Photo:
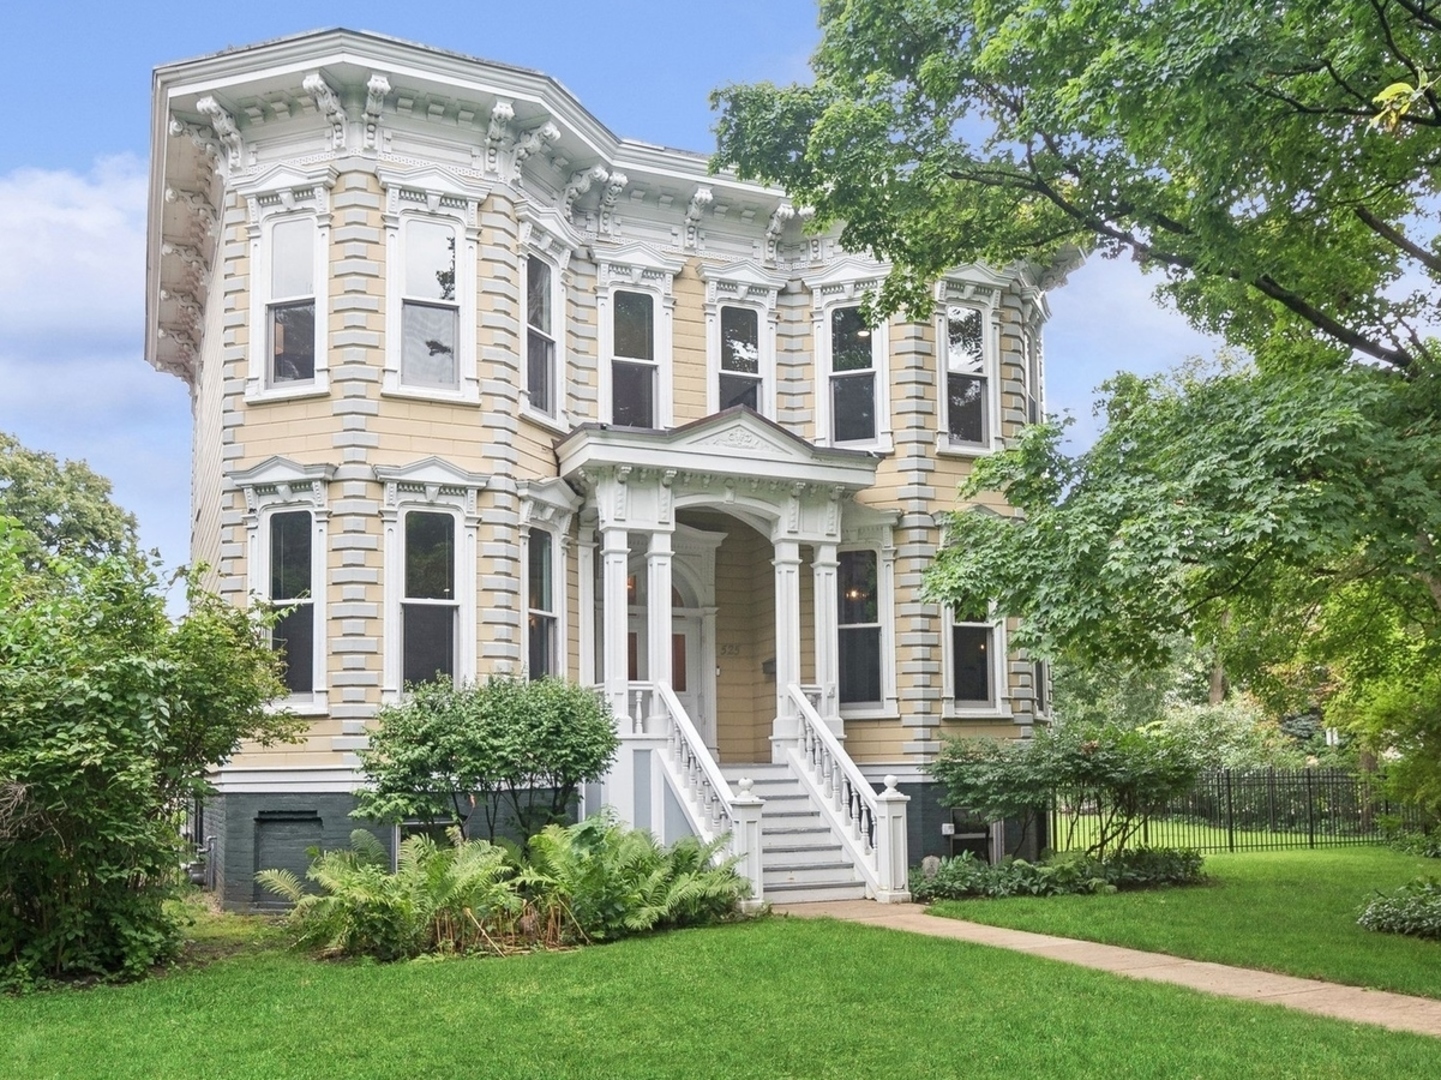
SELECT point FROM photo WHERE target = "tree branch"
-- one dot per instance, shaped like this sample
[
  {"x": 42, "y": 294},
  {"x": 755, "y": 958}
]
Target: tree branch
[
  {"x": 1268, "y": 286},
  {"x": 1397, "y": 237}
]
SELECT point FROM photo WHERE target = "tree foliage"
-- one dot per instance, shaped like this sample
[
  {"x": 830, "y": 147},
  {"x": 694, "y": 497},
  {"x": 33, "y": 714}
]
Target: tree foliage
[
  {"x": 110, "y": 715},
  {"x": 1229, "y": 146},
  {"x": 60, "y": 505},
  {"x": 446, "y": 750},
  {"x": 1118, "y": 776}
]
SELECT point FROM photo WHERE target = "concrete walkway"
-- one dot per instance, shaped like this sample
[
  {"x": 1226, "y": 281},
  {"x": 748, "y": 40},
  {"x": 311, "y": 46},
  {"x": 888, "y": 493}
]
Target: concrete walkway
[{"x": 1399, "y": 1012}]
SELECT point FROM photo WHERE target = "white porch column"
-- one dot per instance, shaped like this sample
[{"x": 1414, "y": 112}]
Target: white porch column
[
  {"x": 614, "y": 553},
  {"x": 585, "y": 576},
  {"x": 827, "y": 615},
  {"x": 658, "y": 615},
  {"x": 787, "y": 562}
]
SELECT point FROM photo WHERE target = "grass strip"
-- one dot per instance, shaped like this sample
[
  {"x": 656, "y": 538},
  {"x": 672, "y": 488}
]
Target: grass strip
[
  {"x": 1292, "y": 912},
  {"x": 776, "y": 998}
]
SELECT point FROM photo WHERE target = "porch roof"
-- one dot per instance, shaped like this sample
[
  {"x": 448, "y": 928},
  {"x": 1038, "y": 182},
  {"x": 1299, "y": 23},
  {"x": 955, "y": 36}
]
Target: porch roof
[{"x": 736, "y": 442}]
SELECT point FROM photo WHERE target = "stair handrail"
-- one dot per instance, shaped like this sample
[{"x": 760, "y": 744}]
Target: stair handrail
[
  {"x": 698, "y": 771},
  {"x": 872, "y": 826}
]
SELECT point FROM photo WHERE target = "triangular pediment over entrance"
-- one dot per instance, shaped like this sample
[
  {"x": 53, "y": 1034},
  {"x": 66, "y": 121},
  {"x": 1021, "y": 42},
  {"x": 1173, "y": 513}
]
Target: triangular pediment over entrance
[{"x": 735, "y": 443}]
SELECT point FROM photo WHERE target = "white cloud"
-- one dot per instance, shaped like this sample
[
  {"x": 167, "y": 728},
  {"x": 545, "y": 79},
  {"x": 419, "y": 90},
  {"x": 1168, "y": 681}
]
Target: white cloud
[
  {"x": 73, "y": 380},
  {"x": 73, "y": 274}
]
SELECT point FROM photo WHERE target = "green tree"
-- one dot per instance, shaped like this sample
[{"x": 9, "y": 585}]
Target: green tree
[
  {"x": 110, "y": 715},
  {"x": 1230, "y": 146},
  {"x": 60, "y": 504},
  {"x": 445, "y": 751}
]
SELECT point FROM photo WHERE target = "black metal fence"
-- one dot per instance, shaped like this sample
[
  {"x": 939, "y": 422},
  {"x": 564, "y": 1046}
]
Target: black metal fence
[{"x": 1257, "y": 810}]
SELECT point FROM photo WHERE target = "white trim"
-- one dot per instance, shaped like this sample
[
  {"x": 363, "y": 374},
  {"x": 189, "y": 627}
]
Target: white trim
[
  {"x": 287, "y": 194},
  {"x": 636, "y": 268},
  {"x": 1000, "y": 707},
  {"x": 280, "y": 779},
  {"x": 435, "y": 486},
  {"x": 983, "y": 298},
  {"x": 825, "y": 305},
  {"x": 278, "y": 485},
  {"x": 742, "y": 285},
  {"x": 558, "y": 419},
  {"x": 557, "y": 599},
  {"x": 437, "y": 195},
  {"x": 888, "y": 707}
]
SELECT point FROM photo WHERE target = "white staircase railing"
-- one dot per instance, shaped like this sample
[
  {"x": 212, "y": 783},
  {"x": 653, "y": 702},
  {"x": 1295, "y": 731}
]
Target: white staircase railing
[
  {"x": 711, "y": 807},
  {"x": 871, "y": 826}
]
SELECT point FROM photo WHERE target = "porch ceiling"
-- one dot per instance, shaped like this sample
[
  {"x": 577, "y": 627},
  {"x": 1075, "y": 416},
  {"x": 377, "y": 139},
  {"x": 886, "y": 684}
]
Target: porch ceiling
[{"x": 736, "y": 443}]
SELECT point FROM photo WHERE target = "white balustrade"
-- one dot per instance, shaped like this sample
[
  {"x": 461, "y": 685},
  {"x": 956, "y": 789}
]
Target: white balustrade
[{"x": 872, "y": 826}]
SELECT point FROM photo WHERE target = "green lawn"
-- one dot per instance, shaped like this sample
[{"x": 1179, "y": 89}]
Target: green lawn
[
  {"x": 1287, "y": 911},
  {"x": 774, "y": 998}
]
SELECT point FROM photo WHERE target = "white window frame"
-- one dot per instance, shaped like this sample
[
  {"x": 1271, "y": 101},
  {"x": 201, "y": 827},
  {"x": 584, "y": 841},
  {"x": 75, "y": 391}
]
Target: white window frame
[
  {"x": 439, "y": 196},
  {"x": 977, "y": 297},
  {"x": 742, "y": 286},
  {"x": 1000, "y": 707},
  {"x": 549, "y": 505},
  {"x": 275, "y": 486},
  {"x": 546, "y": 237},
  {"x": 636, "y": 268},
  {"x": 280, "y": 195},
  {"x": 875, "y": 539},
  {"x": 557, "y": 598},
  {"x": 432, "y": 486},
  {"x": 555, "y": 416},
  {"x": 881, "y": 374}
]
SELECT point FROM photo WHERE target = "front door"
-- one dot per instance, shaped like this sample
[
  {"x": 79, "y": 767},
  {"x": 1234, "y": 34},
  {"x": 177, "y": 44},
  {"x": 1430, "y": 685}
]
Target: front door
[{"x": 685, "y": 678}]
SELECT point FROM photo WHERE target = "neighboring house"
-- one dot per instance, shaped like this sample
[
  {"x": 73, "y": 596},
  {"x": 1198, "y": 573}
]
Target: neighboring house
[{"x": 480, "y": 388}]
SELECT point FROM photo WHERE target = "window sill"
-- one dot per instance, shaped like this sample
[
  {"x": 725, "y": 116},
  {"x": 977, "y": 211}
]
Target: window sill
[
  {"x": 558, "y": 425},
  {"x": 256, "y": 395},
  {"x": 876, "y": 712},
  {"x": 435, "y": 394},
  {"x": 316, "y": 704},
  {"x": 883, "y": 445},
  {"x": 947, "y": 445},
  {"x": 951, "y": 711}
]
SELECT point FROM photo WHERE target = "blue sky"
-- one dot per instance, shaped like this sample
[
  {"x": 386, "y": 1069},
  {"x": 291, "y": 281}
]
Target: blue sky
[{"x": 73, "y": 379}]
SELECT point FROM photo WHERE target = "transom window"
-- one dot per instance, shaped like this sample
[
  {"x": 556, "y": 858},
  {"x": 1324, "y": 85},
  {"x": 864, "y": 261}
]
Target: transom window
[
  {"x": 290, "y": 314},
  {"x": 966, "y": 381},
  {"x": 542, "y": 620},
  {"x": 429, "y": 608},
  {"x": 859, "y": 628},
  {"x": 540, "y": 380},
  {"x": 853, "y": 377},
  {"x": 430, "y": 312},
  {"x": 633, "y": 368},
  {"x": 740, "y": 374},
  {"x": 292, "y": 591}
]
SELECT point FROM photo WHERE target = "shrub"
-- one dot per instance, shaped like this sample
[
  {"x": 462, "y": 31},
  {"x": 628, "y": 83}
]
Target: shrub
[
  {"x": 525, "y": 744},
  {"x": 1424, "y": 842},
  {"x": 593, "y": 881},
  {"x": 1121, "y": 775},
  {"x": 1413, "y": 909},
  {"x": 597, "y": 879},
  {"x": 454, "y": 898},
  {"x": 1140, "y": 868},
  {"x": 109, "y": 715}
]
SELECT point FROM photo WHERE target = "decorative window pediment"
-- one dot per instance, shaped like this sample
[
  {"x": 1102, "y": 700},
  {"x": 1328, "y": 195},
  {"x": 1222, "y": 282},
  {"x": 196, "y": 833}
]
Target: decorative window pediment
[
  {"x": 280, "y": 481},
  {"x": 431, "y": 480}
]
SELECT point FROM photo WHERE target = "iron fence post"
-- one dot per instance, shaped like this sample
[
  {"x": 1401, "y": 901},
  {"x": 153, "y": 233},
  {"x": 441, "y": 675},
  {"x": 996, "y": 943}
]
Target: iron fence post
[
  {"x": 1230, "y": 813},
  {"x": 1310, "y": 809}
]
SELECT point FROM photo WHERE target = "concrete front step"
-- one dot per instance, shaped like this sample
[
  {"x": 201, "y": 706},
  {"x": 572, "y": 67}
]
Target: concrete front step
[
  {"x": 796, "y": 855},
  {"x": 805, "y": 894},
  {"x": 830, "y": 873}
]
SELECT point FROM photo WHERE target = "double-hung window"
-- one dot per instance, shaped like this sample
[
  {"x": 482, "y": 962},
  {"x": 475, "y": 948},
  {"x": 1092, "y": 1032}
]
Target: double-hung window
[
  {"x": 429, "y": 308},
  {"x": 740, "y": 358},
  {"x": 967, "y": 384},
  {"x": 975, "y": 672},
  {"x": 853, "y": 389},
  {"x": 859, "y": 628},
  {"x": 290, "y": 312},
  {"x": 541, "y": 624},
  {"x": 292, "y": 593},
  {"x": 540, "y": 371},
  {"x": 429, "y": 608},
  {"x": 634, "y": 370}
]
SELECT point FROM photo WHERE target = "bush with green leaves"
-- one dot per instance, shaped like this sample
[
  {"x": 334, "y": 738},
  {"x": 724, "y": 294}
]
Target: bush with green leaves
[
  {"x": 597, "y": 880},
  {"x": 592, "y": 881},
  {"x": 1120, "y": 775},
  {"x": 504, "y": 745},
  {"x": 442, "y": 898},
  {"x": 1413, "y": 909},
  {"x": 110, "y": 714},
  {"x": 1139, "y": 868}
]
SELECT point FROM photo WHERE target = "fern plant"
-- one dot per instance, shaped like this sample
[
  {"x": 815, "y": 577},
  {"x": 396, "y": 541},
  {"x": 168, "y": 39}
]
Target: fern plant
[{"x": 451, "y": 898}]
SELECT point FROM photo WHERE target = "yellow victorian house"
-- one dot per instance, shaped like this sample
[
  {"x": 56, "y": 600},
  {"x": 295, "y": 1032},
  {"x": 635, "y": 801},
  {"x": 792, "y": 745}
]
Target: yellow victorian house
[{"x": 481, "y": 388}]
